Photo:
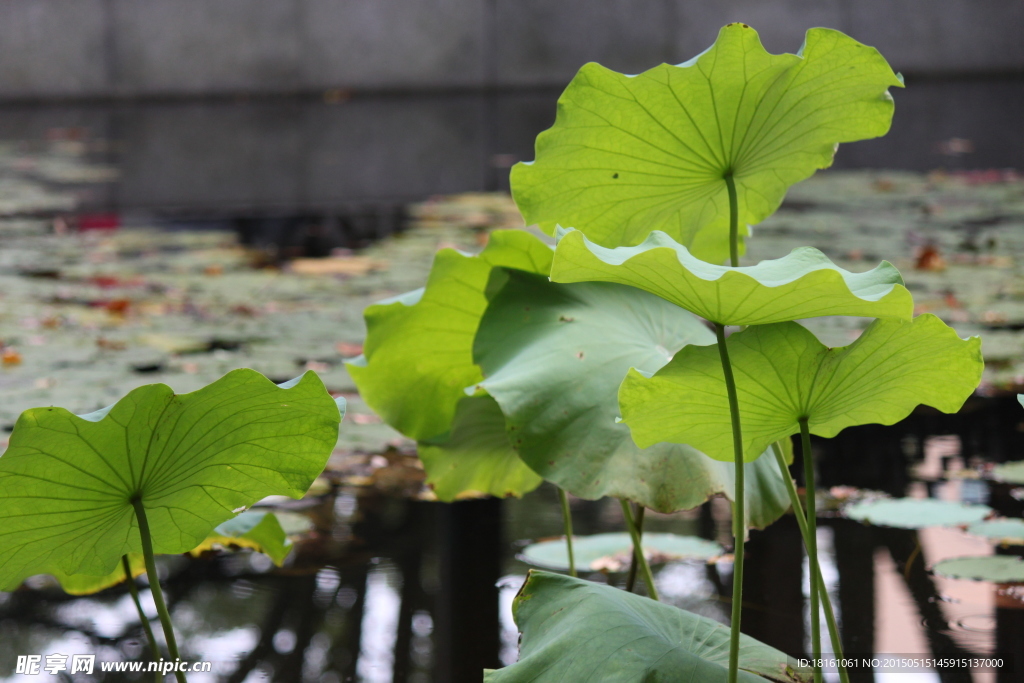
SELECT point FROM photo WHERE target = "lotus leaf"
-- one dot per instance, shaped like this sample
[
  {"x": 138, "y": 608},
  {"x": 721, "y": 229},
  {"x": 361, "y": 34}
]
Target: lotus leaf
[
  {"x": 1009, "y": 472},
  {"x": 783, "y": 373},
  {"x": 260, "y": 531},
  {"x": 598, "y": 551},
  {"x": 916, "y": 513},
  {"x": 418, "y": 354},
  {"x": 803, "y": 284},
  {"x": 476, "y": 457},
  {"x": 1005, "y": 531},
  {"x": 575, "y": 630},
  {"x": 632, "y": 154},
  {"x": 995, "y": 568},
  {"x": 67, "y": 483},
  {"x": 554, "y": 356}
]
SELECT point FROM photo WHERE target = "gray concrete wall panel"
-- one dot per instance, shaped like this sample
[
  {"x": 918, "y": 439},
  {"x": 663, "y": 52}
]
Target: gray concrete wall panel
[
  {"x": 53, "y": 48},
  {"x": 139, "y": 48},
  {"x": 543, "y": 42},
  {"x": 393, "y": 43},
  {"x": 197, "y": 46}
]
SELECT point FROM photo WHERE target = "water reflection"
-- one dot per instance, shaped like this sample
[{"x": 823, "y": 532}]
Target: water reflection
[{"x": 396, "y": 590}]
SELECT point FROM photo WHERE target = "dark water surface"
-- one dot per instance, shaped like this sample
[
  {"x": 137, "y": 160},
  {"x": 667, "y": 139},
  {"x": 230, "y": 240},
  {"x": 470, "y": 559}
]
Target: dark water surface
[{"x": 408, "y": 591}]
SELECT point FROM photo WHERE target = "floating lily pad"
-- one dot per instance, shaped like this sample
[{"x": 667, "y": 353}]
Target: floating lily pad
[
  {"x": 917, "y": 513},
  {"x": 1010, "y": 472},
  {"x": 1005, "y": 531},
  {"x": 576, "y": 630},
  {"x": 260, "y": 531},
  {"x": 612, "y": 551},
  {"x": 995, "y": 568}
]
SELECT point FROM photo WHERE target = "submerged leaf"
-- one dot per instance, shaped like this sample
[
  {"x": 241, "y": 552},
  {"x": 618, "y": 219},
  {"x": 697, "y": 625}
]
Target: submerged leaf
[
  {"x": 1004, "y": 531},
  {"x": 916, "y": 513},
  {"x": 599, "y": 551},
  {"x": 476, "y": 457},
  {"x": 575, "y": 630},
  {"x": 554, "y": 356},
  {"x": 803, "y": 284},
  {"x": 784, "y": 373},
  {"x": 67, "y": 482},
  {"x": 995, "y": 568},
  {"x": 632, "y": 154},
  {"x": 418, "y": 354}
]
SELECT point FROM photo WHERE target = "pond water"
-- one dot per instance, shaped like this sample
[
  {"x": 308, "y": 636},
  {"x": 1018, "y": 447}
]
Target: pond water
[{"x": 393, "y": 586}]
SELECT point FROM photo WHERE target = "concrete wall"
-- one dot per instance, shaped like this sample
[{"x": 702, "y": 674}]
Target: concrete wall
[{"x": 144, "y": 48}]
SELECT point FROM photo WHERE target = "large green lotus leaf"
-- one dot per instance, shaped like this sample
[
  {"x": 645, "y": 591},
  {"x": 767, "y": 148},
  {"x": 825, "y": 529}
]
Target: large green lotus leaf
[
  {"x": 803, "y": 284},
  {"x": 260, "y": 531},
  {"x": 1009, "y": 472},
  {"x": 602, "y": 552},
  {"x": 418, "y": 354},
  {"x": 1004, "y": 531},
  {"x": 632, "y": 154},
  {"x": 784, "y": 373},
  {"x": 476, "y": 457},
  {"x": 194, "y": 460},
  {"x": 917, "y": 513},
  {"x": 576, "y": 630},
  {"x": 995, "y": 568},
  {"x": 554, "y": 356}
]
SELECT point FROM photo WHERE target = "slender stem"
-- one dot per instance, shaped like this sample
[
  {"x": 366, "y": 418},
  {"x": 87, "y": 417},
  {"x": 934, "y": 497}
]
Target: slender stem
[
  {"x": 739, "y": 518},
  {"x": 638, "y": 519},
  {"x": 811, "y": 541},
  {"x": 638, "y": 550},
  {"x": 567, "y": 521},
  {"x": 826, "y": 601},
  {"x": 154, "y": 584},
  {"x": 734, "y": 220},
  {"x": 134, "y": 590}
]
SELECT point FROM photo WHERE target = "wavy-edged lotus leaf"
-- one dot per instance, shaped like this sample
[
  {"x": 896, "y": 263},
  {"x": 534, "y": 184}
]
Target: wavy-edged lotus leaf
[
  {"x": 602, "y": 552},
  {"x": 476, "y": 458},
  {"x": 802, "y": 284},
  {"x": 1009, "y": 472},
  {"x": 917, "y": 513},
  {"x": 418, "y": 354},
  {"x": 258, "y": 530},
  {"x": 1004, "y": 531},
  {"x": 67, "y": 482},
  {"x": 994, "y": 568},
  {"x": 632, "y": 154},
  {"x": 784, "y": 373},
  {"x": 554, "y": 356},
  {"x": 576, "y": 630}
]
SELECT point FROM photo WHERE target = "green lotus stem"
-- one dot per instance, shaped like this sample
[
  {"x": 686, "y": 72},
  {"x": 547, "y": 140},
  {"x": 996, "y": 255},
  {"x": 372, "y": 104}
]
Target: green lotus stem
[
  {"x": 638, "y": 519},
  {"x": 134, "y": 590},
  {"x": 734, "y": 228},
  {"x": 811, "y": 541},
  {"x": 567, "y": 521},
  {"x": 154, "y": 583},
  {"x": 801, "y": 521},
  {"x": 739, "y": 520},
  {"x": 638, "y": 551}
]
